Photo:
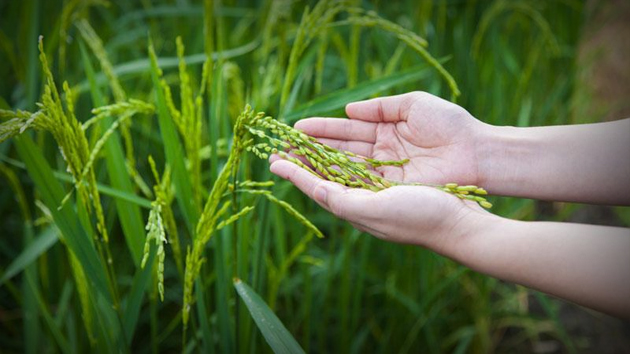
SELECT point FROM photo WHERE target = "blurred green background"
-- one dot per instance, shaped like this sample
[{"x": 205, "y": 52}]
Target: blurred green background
[{"x": 520, "y": 63}]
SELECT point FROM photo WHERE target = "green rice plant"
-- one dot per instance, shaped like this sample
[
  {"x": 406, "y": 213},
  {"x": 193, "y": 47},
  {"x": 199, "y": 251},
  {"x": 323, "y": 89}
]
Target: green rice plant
[
  {"x": 322, "y": 16},
  {"x": 96, "y": 45},
  {"x": 364, "y": 18},
  {"x": 313, "y": 23},
  {"x": 214, "y": 208},
  {"x": 73, "y": 9},
  {"x": 188, "y": 121},
  {"x": 220, "y": 215},
  {"x": 70, "y": 136}
]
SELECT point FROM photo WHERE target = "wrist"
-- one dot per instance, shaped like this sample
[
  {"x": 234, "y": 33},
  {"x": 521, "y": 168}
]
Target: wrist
[
  {"x": 462, "y": 238},
  {"x": 472, "y": 244},
  {"x": 506, "y": 156}
]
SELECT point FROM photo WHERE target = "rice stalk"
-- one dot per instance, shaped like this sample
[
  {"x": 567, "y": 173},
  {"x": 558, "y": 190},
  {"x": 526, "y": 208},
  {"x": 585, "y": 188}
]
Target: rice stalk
[
  {"x": 71, "y": 139},
  {"x": 360, "y": 17},
  {"x": 235, "y": 88},
  {"x": 164, "y": 192},
  {"x": 73, "y": 9},
  {"x": 286, "y": 206},
  {"x": 214, "y": 209},
  {"x": 161, "y": 221},
  {"x": 498, "y": 8},
  {"x": 173, "y": 148},
  {"x": 83, "y": 289},
  {"x": 211, "y": 213},
  {"x": 319, "y": 65},
  {"x": 96, "y": 45},
  {"x": 188, "y": 120},
  {"x": 353, "y": 58},
  {"x": 234, "y": 217},
  {"x": 156, "y": 233},
  {"x": 313, "y": 22}
]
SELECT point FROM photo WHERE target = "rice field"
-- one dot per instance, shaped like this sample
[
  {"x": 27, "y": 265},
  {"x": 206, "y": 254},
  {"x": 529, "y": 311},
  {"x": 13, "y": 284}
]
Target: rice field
[{"x": 138, "y": 213}]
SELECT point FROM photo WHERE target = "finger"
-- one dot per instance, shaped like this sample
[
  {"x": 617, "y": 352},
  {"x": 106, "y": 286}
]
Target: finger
[
  {"x": 346, "y": 203},
  {"x": 356, "y": 147},
  {"x": 338, "y": 128},
  {"x": 389, "y": 109},
  {"x": 273, "y": 158},
  {"x": 301, "y": 178}
]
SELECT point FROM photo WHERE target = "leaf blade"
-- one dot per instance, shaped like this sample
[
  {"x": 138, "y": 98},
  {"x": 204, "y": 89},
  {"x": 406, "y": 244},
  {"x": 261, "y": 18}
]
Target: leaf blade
[
  {"x": 277, "y": 336},
  {"x": 35, "y": 249}
]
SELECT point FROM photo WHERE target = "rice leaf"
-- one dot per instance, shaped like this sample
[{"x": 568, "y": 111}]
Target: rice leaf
[
  {"x": 131, "y": 310},
  {"x": 105, "y": 189},
  {"x": 204, "y": 322},
  {"x": 57, "y": 335},
  {"x": 276, "y": 335},
  {"x": 35, "y": 249}
]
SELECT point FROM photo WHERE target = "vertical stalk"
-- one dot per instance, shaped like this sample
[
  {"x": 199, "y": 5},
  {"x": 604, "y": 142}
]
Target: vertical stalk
[
  {"x": 353, "y": 58},
  {"x": 344, "y": 296},
  {"x": 32, "y": 74}
]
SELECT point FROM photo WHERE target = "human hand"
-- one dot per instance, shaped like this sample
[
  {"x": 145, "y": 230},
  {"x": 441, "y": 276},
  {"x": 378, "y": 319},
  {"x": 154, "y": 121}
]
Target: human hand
[
  {"x": 417, "y": 215},
  {"x": 439, "y": 138}
]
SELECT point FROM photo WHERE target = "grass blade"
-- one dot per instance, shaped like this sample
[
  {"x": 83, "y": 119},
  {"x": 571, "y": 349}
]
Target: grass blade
[
  {"x": 33, "y": 72},
  {"x": 36, "y": 248},
  {"x": 57, "y": 335},
  {"x": 105, "y": 189},
  {"x": 278, "y": 337},
  {"x": 136, "y": 294},
  {"x": 30, "y": 287}
]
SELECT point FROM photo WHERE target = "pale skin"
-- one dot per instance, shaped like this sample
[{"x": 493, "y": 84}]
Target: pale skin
[{"x": 585, "y": 264}]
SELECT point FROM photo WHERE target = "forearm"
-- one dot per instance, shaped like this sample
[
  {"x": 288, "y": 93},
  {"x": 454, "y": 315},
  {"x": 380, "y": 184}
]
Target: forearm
[
  {"x": 585, "y": 264},
  {"x": 581, "y": 163}
]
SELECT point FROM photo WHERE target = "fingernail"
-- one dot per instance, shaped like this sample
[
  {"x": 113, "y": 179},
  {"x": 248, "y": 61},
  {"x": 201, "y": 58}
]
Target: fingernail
[{"x": 321, "y": 194}]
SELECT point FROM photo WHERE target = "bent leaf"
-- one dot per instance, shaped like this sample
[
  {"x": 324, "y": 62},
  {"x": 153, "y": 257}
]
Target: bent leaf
[{"x": 278, "y": 337}]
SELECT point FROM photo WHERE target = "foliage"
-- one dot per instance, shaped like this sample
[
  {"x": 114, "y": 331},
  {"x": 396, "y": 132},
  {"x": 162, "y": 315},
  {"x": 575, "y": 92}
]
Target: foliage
[{"x": 77, "y": 263}]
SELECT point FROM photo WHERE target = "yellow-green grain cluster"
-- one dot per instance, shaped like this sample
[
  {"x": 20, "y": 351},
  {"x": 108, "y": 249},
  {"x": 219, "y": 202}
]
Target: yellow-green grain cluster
[
  {"x": 157, "y": 225},
  {"x": 188, "y": 120}
]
